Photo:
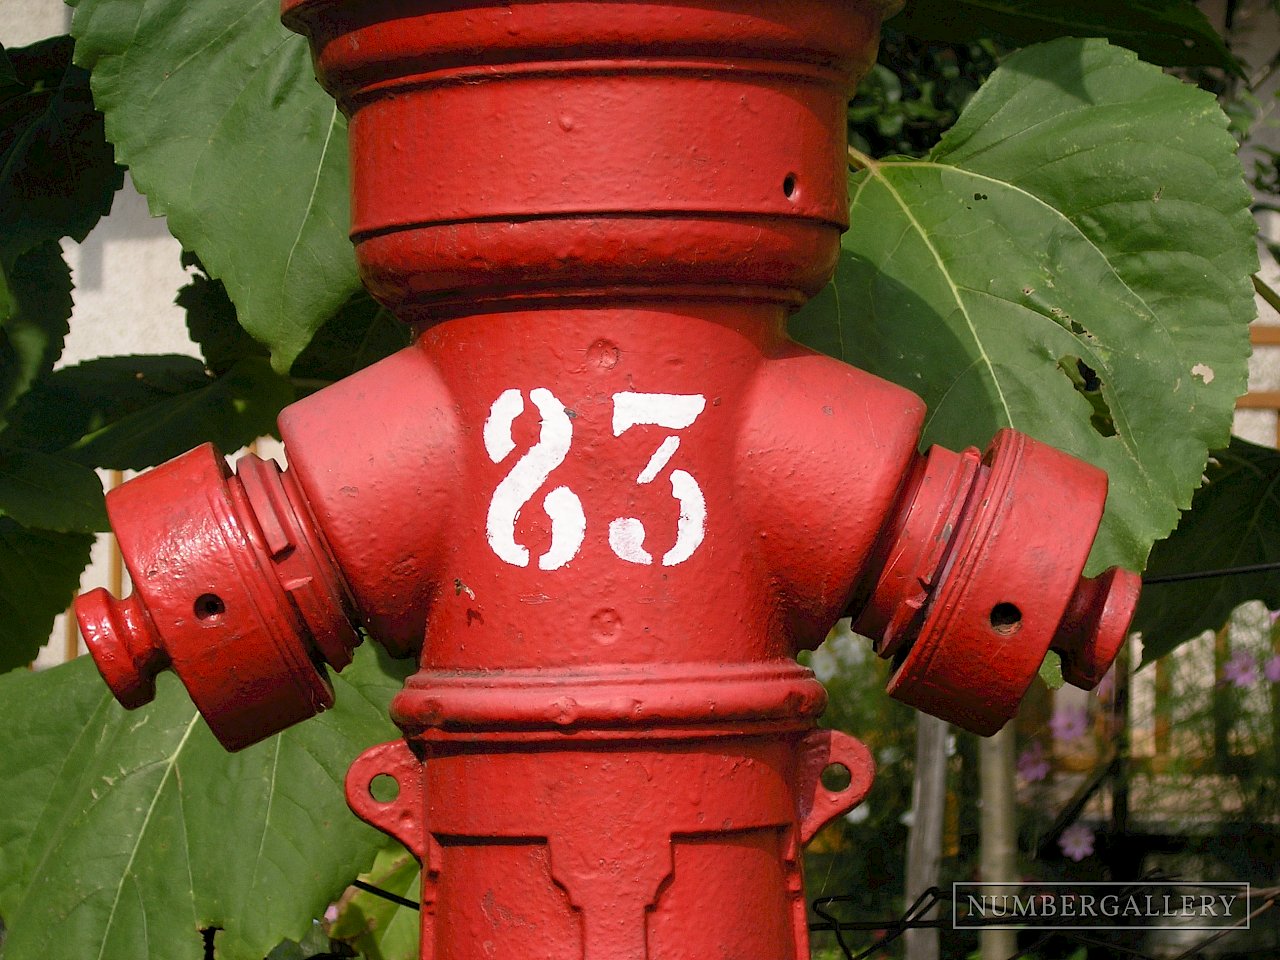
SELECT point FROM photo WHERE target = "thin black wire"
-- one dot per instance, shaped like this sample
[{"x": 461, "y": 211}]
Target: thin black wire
[
  {"x": 385, "y": 894},
  {"x": 913, "y": 918},
  {"x": 1210, "y": 574}
]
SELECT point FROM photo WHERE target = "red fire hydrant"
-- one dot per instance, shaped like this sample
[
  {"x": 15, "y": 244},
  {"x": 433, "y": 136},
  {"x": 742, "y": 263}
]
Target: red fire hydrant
[{"x": 603, "y": 497}]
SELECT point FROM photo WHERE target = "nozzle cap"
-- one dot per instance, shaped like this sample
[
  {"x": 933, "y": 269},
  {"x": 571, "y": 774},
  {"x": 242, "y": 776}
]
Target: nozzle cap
[
  {"x": 124, "y": 644},
  {"x": 1095, "y": 625}
]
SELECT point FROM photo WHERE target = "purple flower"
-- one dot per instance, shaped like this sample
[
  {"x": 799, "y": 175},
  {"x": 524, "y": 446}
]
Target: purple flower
[
  {"x": 1069, "y": 723},
  {"x": 1032, "y": 765},
  {"x": 1271, "y": 669},
  {"x": 1241, "y": 669},
  {"x": 1076, "y": 842}
]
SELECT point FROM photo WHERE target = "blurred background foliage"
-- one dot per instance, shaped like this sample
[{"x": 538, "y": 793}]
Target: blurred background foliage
[{"x": 1215, "y": 719}]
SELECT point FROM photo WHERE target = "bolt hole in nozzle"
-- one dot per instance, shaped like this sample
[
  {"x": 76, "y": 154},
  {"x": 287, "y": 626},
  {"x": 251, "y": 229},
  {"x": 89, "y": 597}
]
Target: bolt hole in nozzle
[
  {"x": 789, "y": 186},
  {"x": 836, "y": 778},
  {"x": 1006, "y": 619},
  {"x": 208, "y": 606},
  {"x": 384, "y": 788}
]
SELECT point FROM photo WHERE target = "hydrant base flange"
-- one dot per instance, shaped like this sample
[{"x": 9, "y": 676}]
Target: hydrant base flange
[{"x": 619, "y": 842}]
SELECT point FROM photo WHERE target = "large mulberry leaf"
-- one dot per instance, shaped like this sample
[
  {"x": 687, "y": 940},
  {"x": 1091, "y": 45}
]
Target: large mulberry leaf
[{"x": 1072, "y": 260}]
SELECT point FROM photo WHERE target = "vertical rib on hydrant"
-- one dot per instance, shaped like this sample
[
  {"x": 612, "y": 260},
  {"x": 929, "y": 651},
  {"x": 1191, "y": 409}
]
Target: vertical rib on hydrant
[{"x": 603, "y": 497}]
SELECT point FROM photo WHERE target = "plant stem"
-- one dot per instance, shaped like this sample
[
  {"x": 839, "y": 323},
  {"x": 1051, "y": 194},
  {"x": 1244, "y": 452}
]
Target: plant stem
[
  {"x": 860, "y": 161},
  {"x": 1267, "y": 292}
]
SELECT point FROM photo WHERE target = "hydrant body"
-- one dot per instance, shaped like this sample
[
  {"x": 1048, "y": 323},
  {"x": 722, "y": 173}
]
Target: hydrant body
[
  {"x": 603, "y": 497},
  {"x": 608, "y": 698}
]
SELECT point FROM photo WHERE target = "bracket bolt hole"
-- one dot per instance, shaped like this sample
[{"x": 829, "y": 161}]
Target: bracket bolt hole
[
  {"x": 789, "y": 186},
  {"x": 384, "y": 788},
  {"x": 1006, "y": 619},
  {"x": 208, "y": 606},
  {"x": 836, "y": 778}
]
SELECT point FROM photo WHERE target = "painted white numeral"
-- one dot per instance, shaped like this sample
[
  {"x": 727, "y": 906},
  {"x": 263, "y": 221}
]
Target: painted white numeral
[
  {"x": 675, "y": 412},
  {"x": 568, "y": 522}
]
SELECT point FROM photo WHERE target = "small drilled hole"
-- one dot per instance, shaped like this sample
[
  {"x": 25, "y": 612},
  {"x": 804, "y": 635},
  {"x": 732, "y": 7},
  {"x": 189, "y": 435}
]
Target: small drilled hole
[
  {"x": 836, "y": 778},
  {"x": 384, "y": 788},
  {"x": 789, "y": 185},
  {"x": 209, "y": 605},
  {"x": 1006, "y": 619}
]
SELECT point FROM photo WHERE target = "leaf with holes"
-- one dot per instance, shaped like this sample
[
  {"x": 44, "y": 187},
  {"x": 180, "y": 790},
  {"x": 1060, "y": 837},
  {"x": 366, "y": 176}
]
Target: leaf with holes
[
  {"x": 1172, "y": 33},
  {"x": 1072, "y": 260},
  {"x": 126, "y": 833},
  {"x": 1234, "y": 521},
  {"x": 214, "y": 107}
]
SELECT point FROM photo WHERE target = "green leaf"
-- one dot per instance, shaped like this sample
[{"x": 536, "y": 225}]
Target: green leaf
[
  {"x": 215, "y": 108},
  {"x": 314, "y": 945},
  {"x": 1172, "y": 33},
  {"x": 212, "y": 321},
  {"x": 1051, "y": 671},
  {"x": 39, "y": 574},
  {"x": 81, "y": 400},
  {"x": 125, "y": 834},
  {"x": 35, "y": 304},
  {"x": 376, "y": 927},
  {"x": 1234, "y": 521},
  {"x": 361, "y": 333},
  {"x": 127, "y": 413},
  {"x": 57, "y": 172},
  {"x": 10, "y": 85},
  {"x": 1072, "y": 260},
  {"x": 50, "y": 493}
]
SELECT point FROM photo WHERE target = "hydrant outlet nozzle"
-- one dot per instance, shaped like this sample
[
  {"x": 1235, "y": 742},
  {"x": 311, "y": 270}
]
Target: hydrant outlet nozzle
[
  {"x": 980, "y": 575},
  {"x": 233, "y": 588}
]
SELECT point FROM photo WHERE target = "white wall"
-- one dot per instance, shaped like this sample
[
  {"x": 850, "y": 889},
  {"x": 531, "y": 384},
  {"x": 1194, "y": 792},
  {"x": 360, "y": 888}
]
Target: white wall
[{"x": 26, "y": 21}]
